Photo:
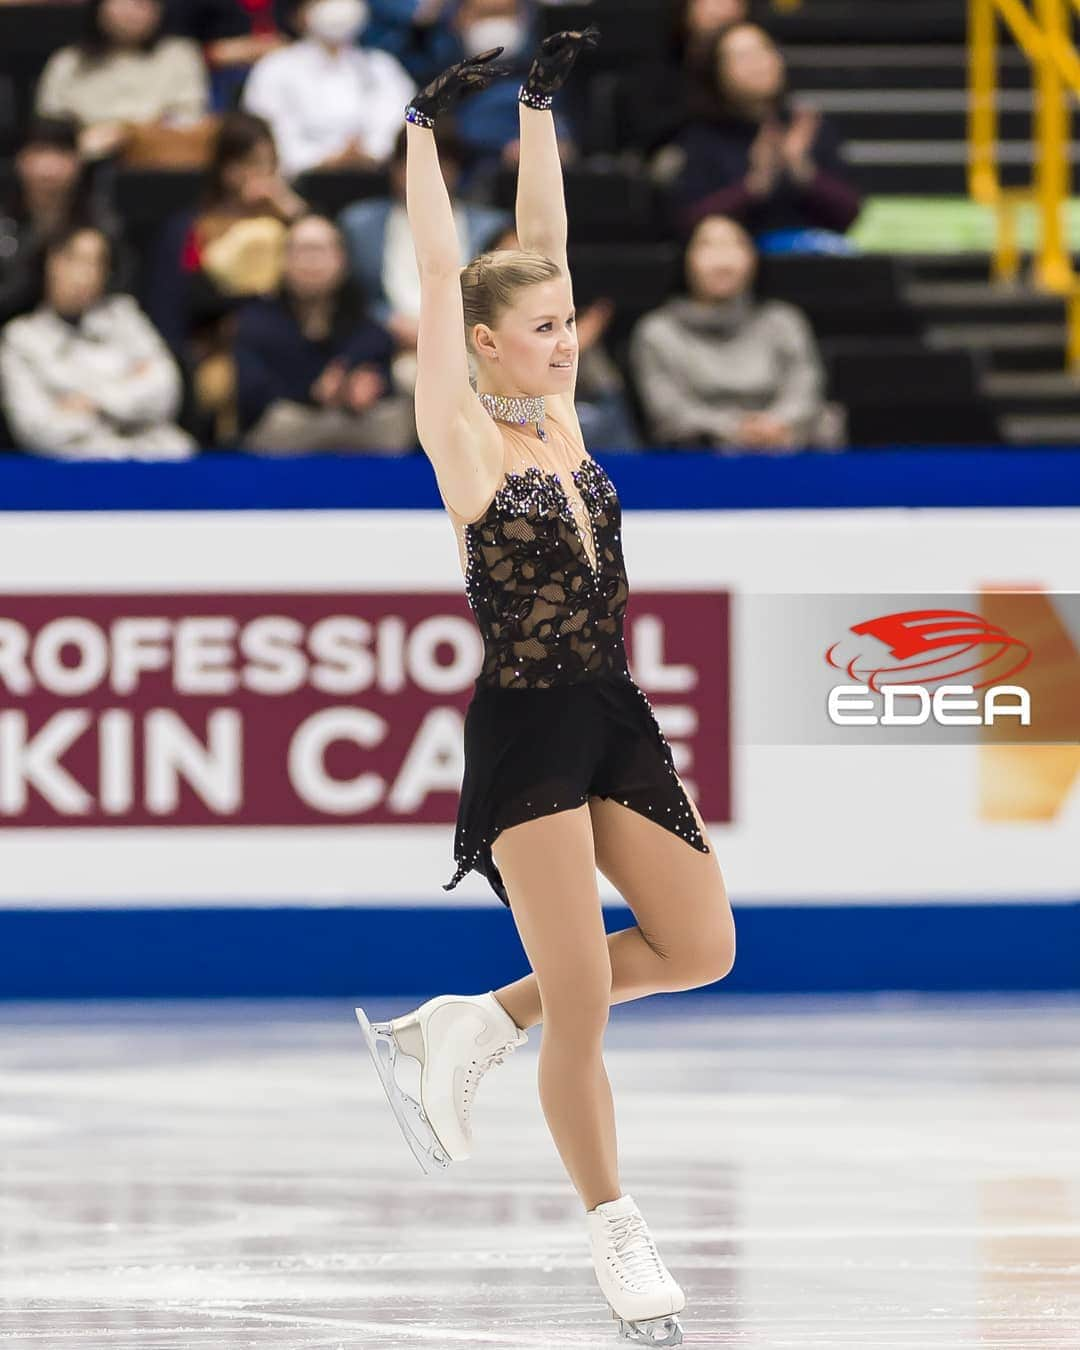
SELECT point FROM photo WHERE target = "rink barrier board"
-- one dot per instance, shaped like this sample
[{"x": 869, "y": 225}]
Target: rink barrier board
[
  {"x": 363, "y": 952},
  {"x": 302, "y": 950},
  {"x": 683, "y": 480}
]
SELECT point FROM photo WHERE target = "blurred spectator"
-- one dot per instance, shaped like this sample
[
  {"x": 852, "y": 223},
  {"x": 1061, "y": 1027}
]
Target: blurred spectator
[
  {"x": 717, "y": 367},
  {"x": 231, "y": 247},
  {"x": 331, "y": 104},
  {"x": 748, "y": 153},
  {"x": 313, "y": 370},
  {"x": 488, "y": 121},
  {"x": 600, "y": 391},
  {"x": 697, "y": 23},
  {"x": 86, "y": 376},
  {"x": 123, "y": 74},
  {"x": 383, "y": 255},
  {"x": 419, "y": 33},
  {"x": 52, "y": 191},
  {"x": 233, "y": 34}
]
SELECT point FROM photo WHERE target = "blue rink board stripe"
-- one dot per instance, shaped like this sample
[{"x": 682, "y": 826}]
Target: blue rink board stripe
[
  {"x": 360, "y": 952},
  {"x": 976, "y": 477}
]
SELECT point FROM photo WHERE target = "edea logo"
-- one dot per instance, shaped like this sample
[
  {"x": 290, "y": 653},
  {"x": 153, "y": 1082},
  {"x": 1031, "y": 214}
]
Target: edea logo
[{"x": 912, "y": 655}]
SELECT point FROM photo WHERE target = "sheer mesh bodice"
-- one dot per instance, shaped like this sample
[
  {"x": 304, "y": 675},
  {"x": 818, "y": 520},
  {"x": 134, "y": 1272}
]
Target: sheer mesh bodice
[{"x": 544, "y": 571}]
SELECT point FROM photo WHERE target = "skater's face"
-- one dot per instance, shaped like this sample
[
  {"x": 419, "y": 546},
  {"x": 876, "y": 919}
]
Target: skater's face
[
  {"x": 720, "y": 259},
  {"x": 533, "y": 348}
]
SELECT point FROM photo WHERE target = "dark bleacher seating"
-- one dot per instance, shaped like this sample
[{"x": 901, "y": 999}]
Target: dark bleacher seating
[
  {"x": 603, "y": 205},
  {"x": 331, "y": 190},
  {"x": 637, "y": 278},
  {"x": 633, "y": 31},
  {"x": 146, "y": 198},
  {"x": 842, "y": 297},
  {"x": 899, "y": 392},
  {"x": 29, "y": 34}
]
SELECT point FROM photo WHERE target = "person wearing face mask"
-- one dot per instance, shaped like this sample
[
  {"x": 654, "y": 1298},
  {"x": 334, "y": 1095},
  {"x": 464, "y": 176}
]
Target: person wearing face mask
[
  {"x": 717, "y": 368},
  {"x": 331, "y": 104},
  {"x": 488, "y": 122}
]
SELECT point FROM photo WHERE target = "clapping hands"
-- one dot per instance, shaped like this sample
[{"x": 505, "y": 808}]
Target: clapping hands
[{"x": 777, "y": 149}]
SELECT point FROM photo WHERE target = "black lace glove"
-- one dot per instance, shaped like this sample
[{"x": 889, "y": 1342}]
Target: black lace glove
[
  {"x": 447, "y": 89},
  {"x": 552, "y": 66}
]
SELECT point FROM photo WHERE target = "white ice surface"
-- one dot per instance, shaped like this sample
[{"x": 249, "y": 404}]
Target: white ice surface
[{"x": 887, "y": 1174}]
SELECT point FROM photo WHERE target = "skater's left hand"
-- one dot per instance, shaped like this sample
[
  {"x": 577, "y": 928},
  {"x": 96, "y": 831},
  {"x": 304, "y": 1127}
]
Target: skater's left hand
[{"x": 552, "y": 66}]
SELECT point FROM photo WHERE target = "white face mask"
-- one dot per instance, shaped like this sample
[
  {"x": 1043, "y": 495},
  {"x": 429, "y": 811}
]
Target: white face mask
[
  {"x": 508, "y": 33},
  {"x": 337, "y": 21}
]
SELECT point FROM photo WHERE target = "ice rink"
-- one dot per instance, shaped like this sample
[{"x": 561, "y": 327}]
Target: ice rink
[{"x": 884, "y": 1173}]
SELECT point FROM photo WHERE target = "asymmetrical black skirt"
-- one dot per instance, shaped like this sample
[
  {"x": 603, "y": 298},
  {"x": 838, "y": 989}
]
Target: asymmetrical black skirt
[{"x": 529, "y": 752}]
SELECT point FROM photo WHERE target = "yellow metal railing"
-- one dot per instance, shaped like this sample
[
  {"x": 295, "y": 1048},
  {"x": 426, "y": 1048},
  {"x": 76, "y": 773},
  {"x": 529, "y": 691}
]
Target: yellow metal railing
[{"x": 1043, "y": 32}]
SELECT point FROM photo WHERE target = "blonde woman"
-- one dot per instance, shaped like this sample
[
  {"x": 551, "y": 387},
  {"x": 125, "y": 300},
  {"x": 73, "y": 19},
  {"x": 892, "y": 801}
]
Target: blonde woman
[{"x": 566, "y": 769}]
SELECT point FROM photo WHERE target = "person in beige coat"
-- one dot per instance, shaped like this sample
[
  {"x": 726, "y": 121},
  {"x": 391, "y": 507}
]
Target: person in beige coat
[
  {"x": 86, "y": 375},
  {"x": 124, "y": 73}
]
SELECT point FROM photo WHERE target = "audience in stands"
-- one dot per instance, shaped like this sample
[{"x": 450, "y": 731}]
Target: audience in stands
[
  {"x": 420, "y": 33},
  {"x": 313, "y": 370},
  {"x": 233, "y": 35},
  {"x": 51, "y": 192},
  {"x": 211, "y": 260},
  {"x": 488, "y": 121},
  {"x": 124, "y": 75},
  {"x": 749, "y": 152},
  {"x": 86, "y": 376},
  {"x": 383, "y": 255},
  {"x": 603, "y": 409},
  {"x": 715, "y": 367},
  {"x": 332, "y": 104},
  {"x": 697, "y": 23}
]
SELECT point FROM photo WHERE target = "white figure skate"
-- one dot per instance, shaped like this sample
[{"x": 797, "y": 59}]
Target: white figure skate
[
  {"x": 456, "y": 1038},
  {"x": 643, "y": 1297}
]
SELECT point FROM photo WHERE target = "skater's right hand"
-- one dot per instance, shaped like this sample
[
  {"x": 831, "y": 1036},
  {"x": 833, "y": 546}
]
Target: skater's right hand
[{"x": 466, "y": 77}]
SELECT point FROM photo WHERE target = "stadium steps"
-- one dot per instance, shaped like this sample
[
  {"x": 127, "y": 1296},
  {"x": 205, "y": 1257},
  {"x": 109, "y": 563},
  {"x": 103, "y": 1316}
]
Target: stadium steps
[
  {"x": 973, "y": 302},
  {"x": 923, "y": 66},
  {"x": 1037, "y": 393},
  {"x": 1041, "y": 430}
]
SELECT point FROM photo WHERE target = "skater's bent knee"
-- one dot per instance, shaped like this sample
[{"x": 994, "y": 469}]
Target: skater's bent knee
[
  {"x": 582, "y": 1013},
  {"x": 710, "y": 959}
]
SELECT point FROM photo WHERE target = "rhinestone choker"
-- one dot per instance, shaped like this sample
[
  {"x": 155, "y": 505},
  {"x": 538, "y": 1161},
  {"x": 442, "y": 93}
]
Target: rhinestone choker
[{"x": 515, "y": 408}]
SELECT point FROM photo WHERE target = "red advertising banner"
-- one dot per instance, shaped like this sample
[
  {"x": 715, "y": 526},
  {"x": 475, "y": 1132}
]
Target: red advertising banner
[{"x": 294, "y": 708}]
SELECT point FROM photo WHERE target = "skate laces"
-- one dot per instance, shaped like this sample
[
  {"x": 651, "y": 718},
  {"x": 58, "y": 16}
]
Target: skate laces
[
  {"x": 477, "y": 1069},
  {"x": 635, "y": 1248}
]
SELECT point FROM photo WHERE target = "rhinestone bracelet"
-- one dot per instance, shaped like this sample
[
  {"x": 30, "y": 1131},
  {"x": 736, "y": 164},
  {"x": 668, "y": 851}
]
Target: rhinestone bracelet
[
  {"x": 418, "y": 118},
  {"x": 541, "y": 102}
]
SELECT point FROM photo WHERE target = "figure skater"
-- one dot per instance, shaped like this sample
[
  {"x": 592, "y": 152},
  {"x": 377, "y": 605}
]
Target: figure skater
[{"x": 566, "y": 768}]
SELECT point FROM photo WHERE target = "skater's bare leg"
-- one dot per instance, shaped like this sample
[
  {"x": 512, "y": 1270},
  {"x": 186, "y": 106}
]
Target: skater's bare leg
[
  {"x": 685, "y": 933},
  {"x": 549, "y": 868}
]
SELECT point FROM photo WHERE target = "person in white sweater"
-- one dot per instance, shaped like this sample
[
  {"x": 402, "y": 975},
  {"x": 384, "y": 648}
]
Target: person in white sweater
[
  {"x": 86, "y": 375},
  {"x": 718, "y": 368}
]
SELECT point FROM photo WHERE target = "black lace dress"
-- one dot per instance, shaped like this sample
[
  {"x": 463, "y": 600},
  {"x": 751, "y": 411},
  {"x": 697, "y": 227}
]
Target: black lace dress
[{"x": 555, "y": 717}]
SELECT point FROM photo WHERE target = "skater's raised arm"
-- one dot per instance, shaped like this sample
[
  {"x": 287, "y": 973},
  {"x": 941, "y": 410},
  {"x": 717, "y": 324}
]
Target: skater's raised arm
[
  {"x": 453, "y": 428},
  {"x": 540, "y": 207}
]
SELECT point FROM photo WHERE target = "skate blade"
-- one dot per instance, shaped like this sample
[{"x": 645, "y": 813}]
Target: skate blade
[
  {"x": 408, "y": 1112},
  {"x": 650, "y": 1331}
]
